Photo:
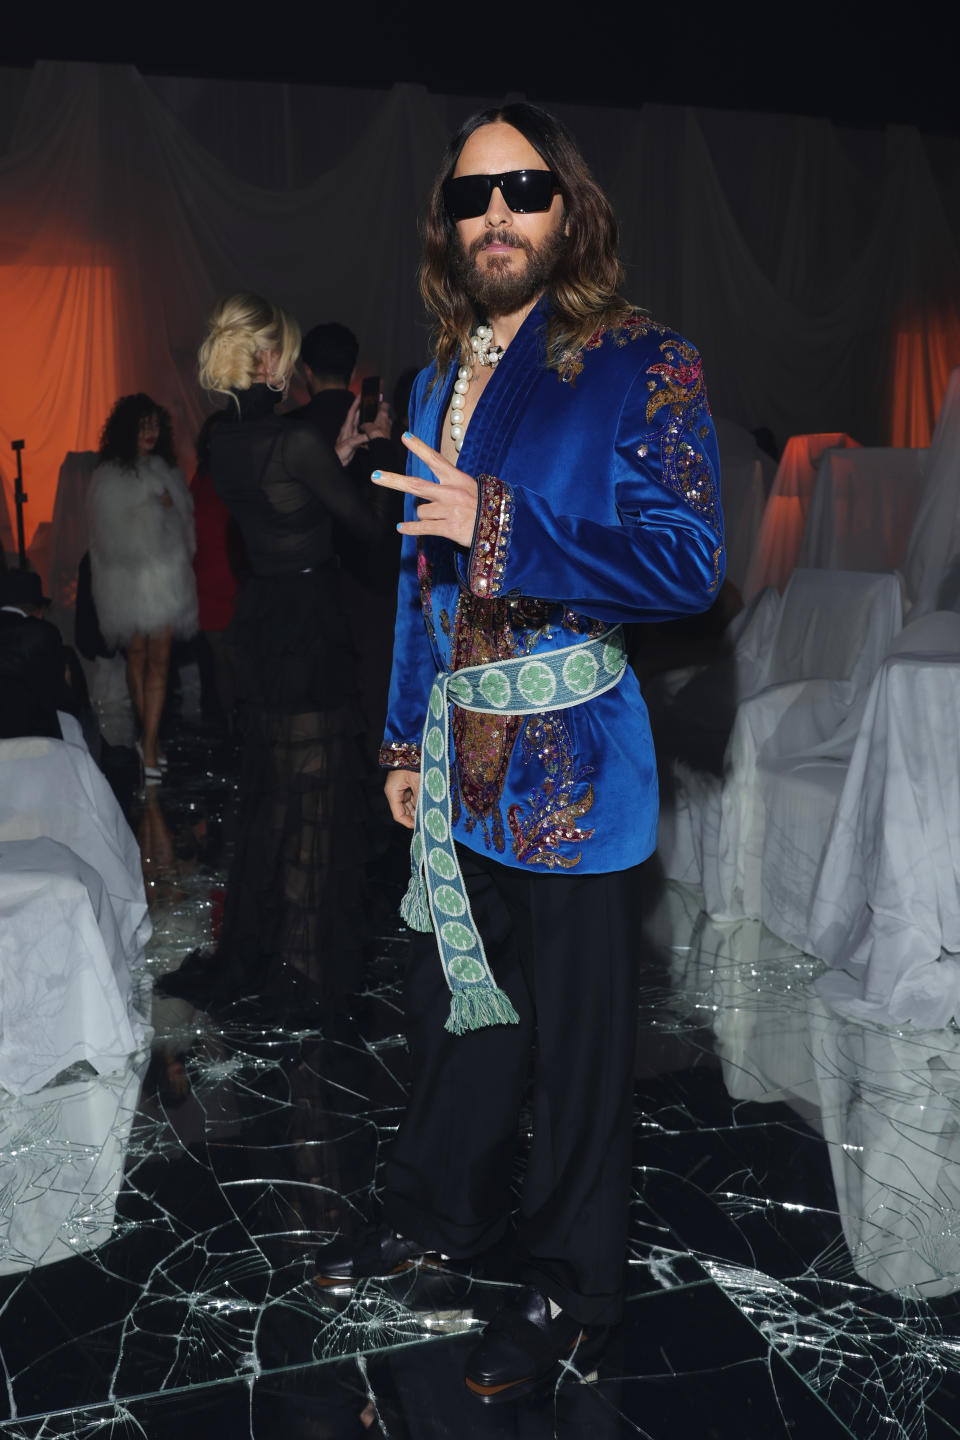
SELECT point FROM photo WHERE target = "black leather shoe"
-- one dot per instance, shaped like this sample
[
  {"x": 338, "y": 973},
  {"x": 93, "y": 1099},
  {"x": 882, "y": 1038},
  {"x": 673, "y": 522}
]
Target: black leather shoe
[
  {"x": 523, "y": 1346},
  {"x": 376, "y": 1252}
]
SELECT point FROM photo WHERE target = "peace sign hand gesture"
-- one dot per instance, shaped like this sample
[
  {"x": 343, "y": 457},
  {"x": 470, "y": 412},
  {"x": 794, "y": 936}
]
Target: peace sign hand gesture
[{"x": 448, "y": 505}]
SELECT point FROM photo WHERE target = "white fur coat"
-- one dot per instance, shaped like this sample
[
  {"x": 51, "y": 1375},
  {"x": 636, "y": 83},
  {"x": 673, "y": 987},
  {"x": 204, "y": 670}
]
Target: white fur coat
[{"x": 141, "y": 550}]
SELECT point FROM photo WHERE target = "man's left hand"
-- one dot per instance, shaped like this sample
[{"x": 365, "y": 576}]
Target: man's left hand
[
  {"x": 381, "y": 427},
  {"x": 351, "y": 438},
  {"x": 447, "y": 507}
]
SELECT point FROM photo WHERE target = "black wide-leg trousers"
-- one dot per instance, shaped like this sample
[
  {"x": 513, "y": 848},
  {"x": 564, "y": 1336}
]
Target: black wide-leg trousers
[{"x": 564, "y": 946}]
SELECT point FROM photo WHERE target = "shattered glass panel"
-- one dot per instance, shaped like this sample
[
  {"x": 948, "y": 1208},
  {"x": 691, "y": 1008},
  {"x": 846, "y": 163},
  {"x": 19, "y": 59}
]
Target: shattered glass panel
[{"x": 795, "y": 1242}]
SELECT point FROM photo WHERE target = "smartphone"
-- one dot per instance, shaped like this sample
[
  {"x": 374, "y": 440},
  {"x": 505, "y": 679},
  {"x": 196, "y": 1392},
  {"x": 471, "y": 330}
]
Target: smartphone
[{"x": 369, "y": 399}]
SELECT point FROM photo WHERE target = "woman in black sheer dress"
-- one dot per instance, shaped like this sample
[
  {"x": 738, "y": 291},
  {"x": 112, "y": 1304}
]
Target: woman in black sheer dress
[{"x": 294, "y": 903}]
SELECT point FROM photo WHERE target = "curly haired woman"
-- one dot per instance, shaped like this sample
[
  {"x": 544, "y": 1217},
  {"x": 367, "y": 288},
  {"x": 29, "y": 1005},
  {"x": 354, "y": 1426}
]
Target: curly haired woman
[{"x": 141, "y": 547}]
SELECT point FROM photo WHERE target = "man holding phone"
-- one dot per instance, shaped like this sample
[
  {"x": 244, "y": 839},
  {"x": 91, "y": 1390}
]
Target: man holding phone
[
  {"x": 328, "y": 354},
  {"x": 563, "y": 480}
]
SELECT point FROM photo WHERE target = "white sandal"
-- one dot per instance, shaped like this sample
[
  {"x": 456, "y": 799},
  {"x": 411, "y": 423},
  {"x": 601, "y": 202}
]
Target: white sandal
[{"x": 152, "y": 774}]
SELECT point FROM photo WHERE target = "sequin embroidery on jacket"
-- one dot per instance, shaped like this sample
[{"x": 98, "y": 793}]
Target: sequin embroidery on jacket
[
  {"x": 552, "y": 811},
  {"x": 678, "y": 397}
]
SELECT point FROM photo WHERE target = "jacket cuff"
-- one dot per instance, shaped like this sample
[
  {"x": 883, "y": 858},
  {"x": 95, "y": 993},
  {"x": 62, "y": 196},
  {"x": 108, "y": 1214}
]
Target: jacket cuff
[
  {"x": 491, "y": 538},
  {"x": 399, "y": 755}
]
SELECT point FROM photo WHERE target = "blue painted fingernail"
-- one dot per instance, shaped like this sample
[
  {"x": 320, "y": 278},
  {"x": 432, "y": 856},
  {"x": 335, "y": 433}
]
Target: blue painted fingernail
[
  {"x": 400, "y": 526},
  {"x": 376, "y": 475},
  {"x": 407, "y": 435}
]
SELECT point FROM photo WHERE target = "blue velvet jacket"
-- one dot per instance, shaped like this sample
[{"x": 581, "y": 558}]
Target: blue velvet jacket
[{"x": 599, "y": 503}]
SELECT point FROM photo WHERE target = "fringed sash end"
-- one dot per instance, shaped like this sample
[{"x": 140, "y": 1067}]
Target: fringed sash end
[
  {"x": 472, "y": 1007},
  {"x": 414, "y": 907}
]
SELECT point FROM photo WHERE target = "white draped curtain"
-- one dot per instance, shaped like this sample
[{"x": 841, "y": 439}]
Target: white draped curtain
[{"x": 817, "y": 268}]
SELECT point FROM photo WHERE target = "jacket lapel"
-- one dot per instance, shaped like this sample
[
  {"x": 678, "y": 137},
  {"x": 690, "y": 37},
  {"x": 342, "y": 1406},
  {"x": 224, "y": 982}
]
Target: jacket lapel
[{"x": 500, "y": 408}]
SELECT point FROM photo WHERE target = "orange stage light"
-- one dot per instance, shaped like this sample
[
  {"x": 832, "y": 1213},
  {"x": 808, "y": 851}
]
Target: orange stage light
[{"x": 58, "y": 372}]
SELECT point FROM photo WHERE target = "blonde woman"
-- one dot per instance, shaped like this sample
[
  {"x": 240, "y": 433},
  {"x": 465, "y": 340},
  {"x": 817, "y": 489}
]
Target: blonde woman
[{"x": 293, "y": 914}]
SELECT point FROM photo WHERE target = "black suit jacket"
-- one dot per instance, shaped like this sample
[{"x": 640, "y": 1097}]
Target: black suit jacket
[{"x": 327, "y": 410}]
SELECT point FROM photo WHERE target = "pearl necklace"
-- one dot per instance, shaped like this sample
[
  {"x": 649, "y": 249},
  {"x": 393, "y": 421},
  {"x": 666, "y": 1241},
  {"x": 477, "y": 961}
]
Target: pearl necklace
[{"x": 484, "y": 353}]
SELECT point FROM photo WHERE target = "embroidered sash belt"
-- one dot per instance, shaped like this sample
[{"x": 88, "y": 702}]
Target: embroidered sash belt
[{"x": 436, "y": 898}]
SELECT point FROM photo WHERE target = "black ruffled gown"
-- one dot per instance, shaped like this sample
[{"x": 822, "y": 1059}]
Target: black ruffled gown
[{"x": 294, "y": 905}]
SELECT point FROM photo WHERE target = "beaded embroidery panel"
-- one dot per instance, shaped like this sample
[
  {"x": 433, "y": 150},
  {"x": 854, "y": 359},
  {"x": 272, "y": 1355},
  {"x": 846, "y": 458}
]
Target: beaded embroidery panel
[
  {"x": 491, "y": 542},
  {"x": 488, "y": 630}
]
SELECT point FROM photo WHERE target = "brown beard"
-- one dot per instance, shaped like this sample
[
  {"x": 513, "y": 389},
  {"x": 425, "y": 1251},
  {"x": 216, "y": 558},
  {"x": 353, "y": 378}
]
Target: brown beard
[{"x": 500, "y": 287}]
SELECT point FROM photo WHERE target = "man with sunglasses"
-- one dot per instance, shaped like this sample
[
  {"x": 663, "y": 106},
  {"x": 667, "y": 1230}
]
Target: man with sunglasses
[{"x": 563, "y": 480}]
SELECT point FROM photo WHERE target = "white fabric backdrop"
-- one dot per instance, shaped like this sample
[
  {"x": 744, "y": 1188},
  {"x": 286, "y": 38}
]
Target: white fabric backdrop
[{"x": 816, "y": 268}]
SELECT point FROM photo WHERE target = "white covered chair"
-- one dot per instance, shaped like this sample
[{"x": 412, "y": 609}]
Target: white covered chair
[
  {"x": 67, "y": 991},
  {"x": 935, "y": 538},
  {"x": 785, "y": 515},
  {"x": 747, "y": 474},
  {"x": 706, "y": 696},
  {"x": 862, "y": 510},
  {"x": 53, "y": 788},
  {"x": 889, "y": 1103},
  {"x": 885, "y": 1102},
  {"x": 801, "y": 797},
  {"x": 62, "y": 1154},
  {"x": 885, "y": 911},
  {"x": 833, "y": 629}
]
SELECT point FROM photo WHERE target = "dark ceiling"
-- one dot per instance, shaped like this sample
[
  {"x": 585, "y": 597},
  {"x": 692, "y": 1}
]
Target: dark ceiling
[{"x": 850, "y": 67}]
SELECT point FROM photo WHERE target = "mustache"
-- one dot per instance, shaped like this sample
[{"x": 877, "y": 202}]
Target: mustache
[{"x": 509, "y": 237}]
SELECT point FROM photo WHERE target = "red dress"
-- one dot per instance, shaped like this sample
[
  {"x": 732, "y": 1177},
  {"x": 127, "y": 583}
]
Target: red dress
[{"x": 212, "y": 564}]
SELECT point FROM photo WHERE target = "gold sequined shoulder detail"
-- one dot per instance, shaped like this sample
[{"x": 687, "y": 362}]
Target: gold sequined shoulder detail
[
  {"x": 677, "y": 379},
  {"x": 634, "y": 327}
]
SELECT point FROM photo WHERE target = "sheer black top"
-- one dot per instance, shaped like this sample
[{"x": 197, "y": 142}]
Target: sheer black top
[{"x": 285, "y": 488}]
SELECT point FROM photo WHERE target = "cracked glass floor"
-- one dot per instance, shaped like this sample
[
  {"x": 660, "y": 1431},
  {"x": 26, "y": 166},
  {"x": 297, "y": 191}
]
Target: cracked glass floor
[{"x": 795, "y": 1239}]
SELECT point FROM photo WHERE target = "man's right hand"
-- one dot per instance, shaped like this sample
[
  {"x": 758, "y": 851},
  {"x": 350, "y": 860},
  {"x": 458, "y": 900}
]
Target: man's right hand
[{"x": 401, "y": 789}]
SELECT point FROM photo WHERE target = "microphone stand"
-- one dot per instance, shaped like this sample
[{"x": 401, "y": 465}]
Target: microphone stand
[{"x": 20, "y": 498}]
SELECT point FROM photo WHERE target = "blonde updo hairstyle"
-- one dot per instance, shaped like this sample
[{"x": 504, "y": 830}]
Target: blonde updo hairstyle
[{"x": 240, "y": 331}]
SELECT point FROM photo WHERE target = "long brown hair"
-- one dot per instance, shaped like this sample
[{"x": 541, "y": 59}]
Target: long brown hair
[{"x": 583, "y": 290}]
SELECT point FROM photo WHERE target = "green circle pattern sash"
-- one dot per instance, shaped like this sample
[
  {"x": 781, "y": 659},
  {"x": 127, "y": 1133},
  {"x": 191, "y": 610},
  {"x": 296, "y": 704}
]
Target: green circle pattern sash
[{"x": 436, "y": 897}]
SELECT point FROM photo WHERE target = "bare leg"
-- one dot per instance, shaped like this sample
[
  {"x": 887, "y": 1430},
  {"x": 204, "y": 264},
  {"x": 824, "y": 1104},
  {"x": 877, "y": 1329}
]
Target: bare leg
[
  {"x": 155, "y": 690},
  {"x": 136, "y": 665}
]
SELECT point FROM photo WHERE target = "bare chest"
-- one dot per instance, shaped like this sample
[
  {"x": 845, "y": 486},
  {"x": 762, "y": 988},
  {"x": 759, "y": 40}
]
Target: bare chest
[{"x": 464, "y": 405}]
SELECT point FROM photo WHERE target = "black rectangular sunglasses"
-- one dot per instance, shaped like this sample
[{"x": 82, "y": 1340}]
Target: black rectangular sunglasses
[{"x": 524, "y": 191}]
